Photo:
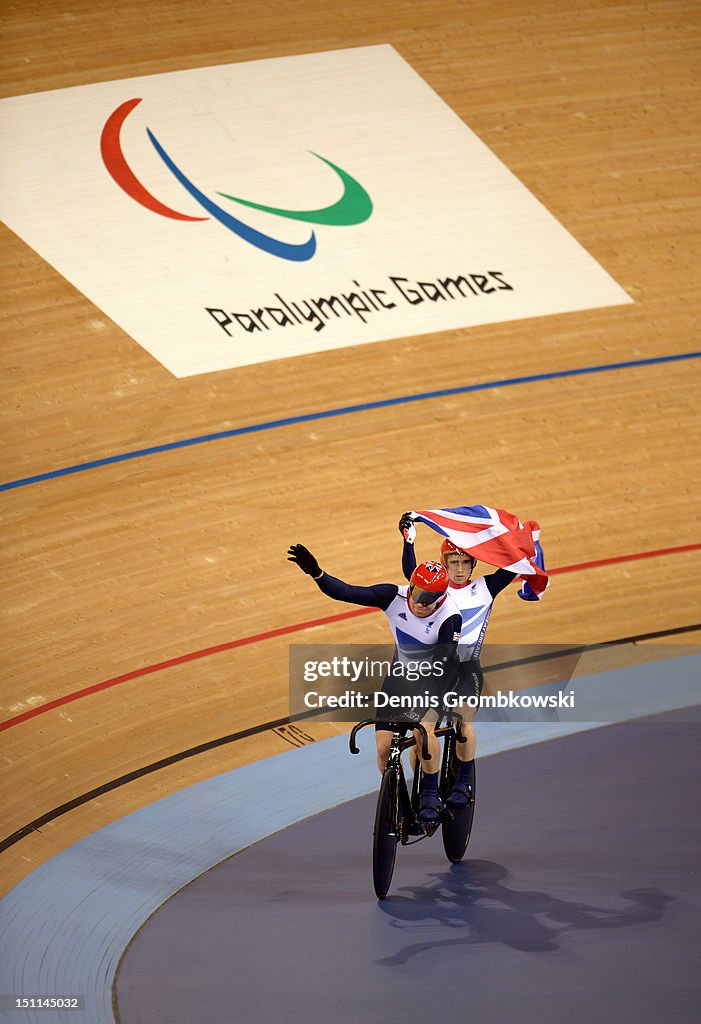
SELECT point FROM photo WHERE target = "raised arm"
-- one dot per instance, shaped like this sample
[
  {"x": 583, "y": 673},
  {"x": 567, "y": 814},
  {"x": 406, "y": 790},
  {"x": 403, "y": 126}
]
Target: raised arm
[
  {"x": 526, "y": 593},
  {"x": 497, "y": 581},
  {"x": 379, "y": 596},
  {"x": 408, "y": 532}
]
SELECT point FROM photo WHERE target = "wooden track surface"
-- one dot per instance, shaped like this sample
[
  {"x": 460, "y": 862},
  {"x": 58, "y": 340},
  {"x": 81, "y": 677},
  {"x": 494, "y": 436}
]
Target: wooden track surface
[{"x": 130, "y": 565}]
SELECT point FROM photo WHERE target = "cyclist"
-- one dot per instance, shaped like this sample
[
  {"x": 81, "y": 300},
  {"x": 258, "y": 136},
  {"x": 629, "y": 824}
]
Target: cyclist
[
  {"x": 475, "y": 600},
  {"x": 425, "y": 622}
]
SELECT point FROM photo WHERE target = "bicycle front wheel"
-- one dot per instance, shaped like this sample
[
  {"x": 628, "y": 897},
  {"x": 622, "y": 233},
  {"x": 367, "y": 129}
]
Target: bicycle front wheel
[
  {"x": 385, "y": 835},
  {"x": 457, "y": 824}
]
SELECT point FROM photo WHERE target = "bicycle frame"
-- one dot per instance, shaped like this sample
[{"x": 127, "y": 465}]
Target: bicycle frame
[
  {"x": 397, "y": 814},
  {"x": 405, "y": 812}
]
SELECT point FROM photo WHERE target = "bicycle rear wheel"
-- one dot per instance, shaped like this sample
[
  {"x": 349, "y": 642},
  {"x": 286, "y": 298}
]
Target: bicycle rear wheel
[
  {"x": 385, "y": 835},
  {"x": 457, "y": 824}
]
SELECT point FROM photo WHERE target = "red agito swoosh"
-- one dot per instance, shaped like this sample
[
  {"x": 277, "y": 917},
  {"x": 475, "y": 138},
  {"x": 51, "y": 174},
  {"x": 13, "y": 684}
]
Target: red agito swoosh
[{"x": 116, "y": 164}]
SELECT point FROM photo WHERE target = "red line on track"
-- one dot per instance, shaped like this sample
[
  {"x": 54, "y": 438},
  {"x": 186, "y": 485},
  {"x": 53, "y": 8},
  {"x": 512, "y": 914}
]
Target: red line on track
[
  {"x": 624, "y": 558},
  {"x": 296, "y": 627}
]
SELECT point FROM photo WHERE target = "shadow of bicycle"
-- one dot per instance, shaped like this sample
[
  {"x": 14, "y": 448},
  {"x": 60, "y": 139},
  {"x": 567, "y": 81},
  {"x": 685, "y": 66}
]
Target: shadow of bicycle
[{"x": 473, "y": 898}]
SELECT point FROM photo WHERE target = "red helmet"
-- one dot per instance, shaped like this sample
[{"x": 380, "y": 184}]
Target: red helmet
[
  {"x": 448, "y": 548},
  {"x": 429, "y": 583}
]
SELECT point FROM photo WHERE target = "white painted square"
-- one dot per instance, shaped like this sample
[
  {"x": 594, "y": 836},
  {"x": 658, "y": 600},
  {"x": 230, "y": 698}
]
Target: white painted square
[{"x": 443, "y": 207}]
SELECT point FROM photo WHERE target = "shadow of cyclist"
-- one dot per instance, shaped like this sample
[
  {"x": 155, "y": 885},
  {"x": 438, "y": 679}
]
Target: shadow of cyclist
[{"x": 473, "y": 898}]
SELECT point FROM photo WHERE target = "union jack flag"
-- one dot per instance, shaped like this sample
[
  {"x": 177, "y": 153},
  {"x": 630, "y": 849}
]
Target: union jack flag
[{"x": 493, "y": 536}]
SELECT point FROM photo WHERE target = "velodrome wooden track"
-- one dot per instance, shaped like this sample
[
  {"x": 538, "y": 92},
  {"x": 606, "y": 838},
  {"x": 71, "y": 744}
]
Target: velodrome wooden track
[{"x": 109, "y": 572}]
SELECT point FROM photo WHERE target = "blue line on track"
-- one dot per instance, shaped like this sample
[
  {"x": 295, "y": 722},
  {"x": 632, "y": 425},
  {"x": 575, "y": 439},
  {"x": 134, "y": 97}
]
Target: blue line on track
[{"x": 345, "y": 410}]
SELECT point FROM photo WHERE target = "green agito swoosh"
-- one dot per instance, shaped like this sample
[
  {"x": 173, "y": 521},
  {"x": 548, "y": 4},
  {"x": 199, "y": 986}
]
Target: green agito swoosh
[{"x": 354, "y": 206}]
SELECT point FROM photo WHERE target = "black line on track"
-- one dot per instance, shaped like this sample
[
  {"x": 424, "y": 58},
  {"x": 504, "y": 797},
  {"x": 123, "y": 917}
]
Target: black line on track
[{"x": 107, "y": 787}]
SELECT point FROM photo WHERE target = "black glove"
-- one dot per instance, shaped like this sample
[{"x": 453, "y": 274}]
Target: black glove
[
  {"x": 302, "y": 557},
  {"x": 405, "y": 522}
]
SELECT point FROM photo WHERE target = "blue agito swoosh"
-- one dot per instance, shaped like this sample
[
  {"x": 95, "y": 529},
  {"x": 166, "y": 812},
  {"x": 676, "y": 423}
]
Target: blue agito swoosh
[{"x": 284, "y": 250}]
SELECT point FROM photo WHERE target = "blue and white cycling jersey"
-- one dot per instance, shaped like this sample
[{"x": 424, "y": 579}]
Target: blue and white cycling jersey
[
  {"x": 474, "y": 602},
  {"x": 415, "y": 637}
]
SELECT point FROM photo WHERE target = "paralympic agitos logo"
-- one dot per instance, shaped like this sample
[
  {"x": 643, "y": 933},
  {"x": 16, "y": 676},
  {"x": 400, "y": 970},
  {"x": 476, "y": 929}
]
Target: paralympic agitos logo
[{"x": 354, "y": 206}]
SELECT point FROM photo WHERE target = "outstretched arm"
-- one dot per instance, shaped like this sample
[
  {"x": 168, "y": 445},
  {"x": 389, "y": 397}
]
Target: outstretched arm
[
  {"x": 526, "y": 593},
  {"x": 408, "y": 532},
  {"x": 497, "y": 581},
  {"x": 379, "y": 596}
]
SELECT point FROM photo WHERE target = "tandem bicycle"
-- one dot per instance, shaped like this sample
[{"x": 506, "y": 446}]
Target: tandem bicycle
[{"x": 397, "y": 814}]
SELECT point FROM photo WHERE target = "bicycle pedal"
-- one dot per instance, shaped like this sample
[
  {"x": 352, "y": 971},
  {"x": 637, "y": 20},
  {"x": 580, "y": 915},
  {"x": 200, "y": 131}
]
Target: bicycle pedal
[{"x": 460, "y": 807}]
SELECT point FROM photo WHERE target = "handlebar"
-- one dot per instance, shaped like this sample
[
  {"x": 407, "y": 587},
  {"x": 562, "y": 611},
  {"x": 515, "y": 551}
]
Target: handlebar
[
  {"x": 424, "y": 741},
  {"x": 458, "y": 719},
  {"x": 354, "y": 749}
]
